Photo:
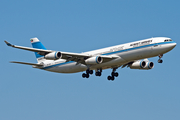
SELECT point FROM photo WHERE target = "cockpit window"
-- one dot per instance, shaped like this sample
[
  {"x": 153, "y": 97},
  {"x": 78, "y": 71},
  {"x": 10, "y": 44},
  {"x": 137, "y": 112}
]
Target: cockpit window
[{"x": 167, "y": 40}]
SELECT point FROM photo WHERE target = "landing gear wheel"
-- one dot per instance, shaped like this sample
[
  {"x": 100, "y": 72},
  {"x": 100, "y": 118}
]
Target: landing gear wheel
[
  {"x": 115, "y": 74},
  {"x": 91, "y": 72},
  {"x": 109, "y": 77},
  {"x": 160, "y": 61},
  {"x": 83, "y": 75},
  {"x": 98, "y": 73},
  {"x": 87, "y": 75}
]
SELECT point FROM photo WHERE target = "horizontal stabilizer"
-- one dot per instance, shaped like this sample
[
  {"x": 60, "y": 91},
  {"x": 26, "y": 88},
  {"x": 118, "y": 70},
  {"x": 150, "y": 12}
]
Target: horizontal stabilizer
[{"x": 39, "y": 65}]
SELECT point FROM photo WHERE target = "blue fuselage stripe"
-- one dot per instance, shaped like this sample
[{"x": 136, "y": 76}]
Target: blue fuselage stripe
[{"x": 58, "y": 64}]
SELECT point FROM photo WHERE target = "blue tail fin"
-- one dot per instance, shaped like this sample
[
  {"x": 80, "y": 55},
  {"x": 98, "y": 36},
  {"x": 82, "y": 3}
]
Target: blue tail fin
[{"x": 37, "y": 44}]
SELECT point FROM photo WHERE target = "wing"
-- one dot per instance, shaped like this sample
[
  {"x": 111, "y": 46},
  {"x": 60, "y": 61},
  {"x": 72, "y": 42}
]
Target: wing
[
  {"x": 39, "y": 51},
  {"x": 77, "y": 57}
]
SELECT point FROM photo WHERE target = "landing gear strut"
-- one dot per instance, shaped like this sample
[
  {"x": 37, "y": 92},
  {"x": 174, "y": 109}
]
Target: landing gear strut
[
  {"x": 113, "y": 75},
  {"x": 86, "y": 75},
  {"x": 160, "y": 60}
]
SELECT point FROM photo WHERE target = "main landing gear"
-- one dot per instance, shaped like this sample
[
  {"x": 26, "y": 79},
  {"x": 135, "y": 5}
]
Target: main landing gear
[
  {"x": 160, "y": 60},
  {"x": 99, "y": 73},
  {"x": 113, "y": 75},
  {"x": 86, "y": 75}
]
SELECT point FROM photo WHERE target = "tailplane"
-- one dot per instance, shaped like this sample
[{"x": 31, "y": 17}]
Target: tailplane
[{"x": 25, "y": 63}]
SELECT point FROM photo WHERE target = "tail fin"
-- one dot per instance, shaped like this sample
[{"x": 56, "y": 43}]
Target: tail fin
[{"x": 37, "y": 44}]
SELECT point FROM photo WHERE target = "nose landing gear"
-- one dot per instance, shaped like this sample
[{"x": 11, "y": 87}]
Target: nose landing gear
[{"x": 160, "y": 60}]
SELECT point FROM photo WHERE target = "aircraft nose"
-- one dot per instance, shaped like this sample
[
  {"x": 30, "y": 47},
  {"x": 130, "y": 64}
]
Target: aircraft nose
[{"x": 172, "y": 45}]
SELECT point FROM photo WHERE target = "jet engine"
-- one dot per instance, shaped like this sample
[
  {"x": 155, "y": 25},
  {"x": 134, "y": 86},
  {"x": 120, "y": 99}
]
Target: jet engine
[
  {"x": 138, "y": 65},
  {"x": 149, "y": 65},
  {"x": 53, "y": 56},
  {"x": 94, "y": 60},
  {"x": 144, "y": 65}
]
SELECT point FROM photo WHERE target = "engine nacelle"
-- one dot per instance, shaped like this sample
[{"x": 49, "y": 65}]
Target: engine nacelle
[
  {"x": 94, "y": 60},
  {"x": 53, "y": 56},
  {"x": 143, "y": 65},
  {"x": 149, "y": 65},
  {"x": 138, "y": 65}
]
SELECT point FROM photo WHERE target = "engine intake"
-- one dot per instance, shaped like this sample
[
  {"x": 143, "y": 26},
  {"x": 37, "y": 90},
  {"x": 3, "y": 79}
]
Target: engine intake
[
  {"x": 149, "y": 65},
  {"x": 94, "y": 60},
  {"x": 53, "y": 56}
]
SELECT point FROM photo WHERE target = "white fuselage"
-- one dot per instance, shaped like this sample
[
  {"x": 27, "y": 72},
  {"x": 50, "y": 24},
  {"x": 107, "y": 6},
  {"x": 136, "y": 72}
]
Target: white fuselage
[{"x": 126, "y": 53}]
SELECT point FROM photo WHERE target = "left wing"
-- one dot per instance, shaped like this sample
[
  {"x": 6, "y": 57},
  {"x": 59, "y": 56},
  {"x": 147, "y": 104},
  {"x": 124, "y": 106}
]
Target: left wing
[
  {"x": 39, "y": 51},
  {"x": 77, "y": 57}
]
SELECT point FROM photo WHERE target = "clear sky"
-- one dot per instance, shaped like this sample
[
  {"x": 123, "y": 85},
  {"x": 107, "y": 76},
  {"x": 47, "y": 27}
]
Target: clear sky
[{"x": 79, "y": 26}]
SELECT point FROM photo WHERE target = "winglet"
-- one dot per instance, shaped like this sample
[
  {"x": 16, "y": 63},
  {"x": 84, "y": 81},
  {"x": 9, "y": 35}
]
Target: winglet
[{"x": 9, "y": 44}]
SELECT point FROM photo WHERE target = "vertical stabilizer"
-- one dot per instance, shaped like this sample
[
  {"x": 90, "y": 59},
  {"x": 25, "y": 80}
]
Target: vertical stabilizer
[{"x": 37, "y": 44}]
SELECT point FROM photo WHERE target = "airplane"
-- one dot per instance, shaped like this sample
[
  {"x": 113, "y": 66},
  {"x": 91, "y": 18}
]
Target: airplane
[{"x": 133, "y": 55}]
